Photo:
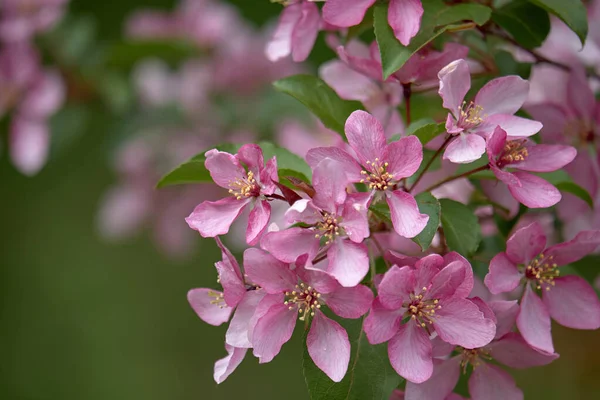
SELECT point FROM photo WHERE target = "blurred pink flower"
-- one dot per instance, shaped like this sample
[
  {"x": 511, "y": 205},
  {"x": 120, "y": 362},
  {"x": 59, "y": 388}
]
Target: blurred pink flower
[{"x": 20, "y": 20}]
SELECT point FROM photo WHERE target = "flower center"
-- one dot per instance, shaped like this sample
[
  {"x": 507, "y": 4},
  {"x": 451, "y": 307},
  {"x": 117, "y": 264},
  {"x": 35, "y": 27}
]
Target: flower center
[
  {"x": 542, "y": 270},
  {"x": 473, "y": 357},
  {"x": 420, "y": 310},
  {"x": 245, "y": 187},
  {"x": 328, "y": 227},
  {"x": 377, "y": 176},
  {"x": 514, "y": 151},
  {"x": 580, "y": 131},
  {"x": 470, "y": 115},
  {"x": 218, "y": 299},
  {"x": 305, "y": 299}
]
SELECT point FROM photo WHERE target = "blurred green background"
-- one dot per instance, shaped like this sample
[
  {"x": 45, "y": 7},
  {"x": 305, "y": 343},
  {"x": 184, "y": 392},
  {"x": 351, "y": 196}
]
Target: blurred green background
[{"x": 85, "y": 319}]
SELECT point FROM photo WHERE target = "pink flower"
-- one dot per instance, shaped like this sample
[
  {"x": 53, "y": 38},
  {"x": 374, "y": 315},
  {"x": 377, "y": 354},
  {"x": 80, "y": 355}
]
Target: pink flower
[
  {"x": 225, "y": 366},
  {"x": 333, "y": 215},
  {"x": 487, "y": 381},
  {"x": 569, "y": 300},
  {"x": 381, "y": 167},
  {"x": 525, "y": 155},
  {"x": 296, "y": 32},
  {"x": 300, "y": 292},
  {"x": 494, "y": 105},
  {"x": 21, "y": 19},
  {"x": 435, "y": 302},
  {"x": 247, "y": 186},
  {"x": 404, "y": 16}
]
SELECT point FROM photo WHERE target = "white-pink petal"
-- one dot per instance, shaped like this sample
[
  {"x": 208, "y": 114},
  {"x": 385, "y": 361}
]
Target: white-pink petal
[
  {"x": 328, "y": 346},
  {"x": 455, "y": 82},
  {"x": 202, "y": 302},
  {"x": 404, "y": 16},
  {"x": 503, "y": 95},
  {"x": 404, "y": 211},
  {"x": 225, "y": 366},
  {"x": 410, "y": 353},
  {"x": 572, "y": 302},
  {"x": 533, "y": 322}
]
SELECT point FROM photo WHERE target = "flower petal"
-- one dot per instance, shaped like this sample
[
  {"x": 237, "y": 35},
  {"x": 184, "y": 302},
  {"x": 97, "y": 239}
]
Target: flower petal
[
  {"x": 273, "y": 330},
  {"x": 268, "y": 272},
  {"x": 345, "y": 13},
  {"x": 347, "y": 83},
  {"x": 29, "y": 144},
  {"x": 580, "y": 246},
  {"x": 290, "y": 244},
  {"x": 442, "y": 382},
  {"x": 201, "y": 301},
  {"x": 404, "y": 157},
  {"x": 395, "y": 287},
  {"x": 579, "y": 94},
  {"x": 546, "y": 158},
  {"x": 258, "y": 221},
  {"x": 365, "y": 135},
  {"x": 465, "y": 148},
  {"x": 534, "y": 192},
  {"x": 280, "y": 45},
  {"x": 455, "y": 82},
  {"x": 406, "y": 217},
  {"x": 224, "y": 168},
  {"x": 346, "y": 162},
  {"x": 305, "y": 32},
  {"x": 460, "y": 322},
  {"x": 349, "y": 302},
  {"x": 410, "y": 353},
  {"x": 239, "y": 328},
  {"x": 572, "y": 302},
  {"x": 513, "y": 351},
  {"x": 503, "y": 275},
  {"x": 329, "y": 181},
  {"x": 382, "y": 324},
  {"x": 448, "y": 280},
  {"x": 225, "y": 366},
  {"x": 506, "y": 312},
  {"x": 466, "y": 287},
  {"x": 213, "y": 218},
  {"x": 489, "y": 382},
  {"x": 503, "y": 95},
  {"x": 348, "y": 262},
  {"x": 404, "y": 16},
  {"x": 328, "y": 346},
  {"x": 526, "y": 243},
  {"x": 515, "y": 127},
  {"x": 533, "y": 322}
]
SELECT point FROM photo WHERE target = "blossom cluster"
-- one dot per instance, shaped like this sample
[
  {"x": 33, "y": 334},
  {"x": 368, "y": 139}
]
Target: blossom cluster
[{"x": 29, "y": 91}]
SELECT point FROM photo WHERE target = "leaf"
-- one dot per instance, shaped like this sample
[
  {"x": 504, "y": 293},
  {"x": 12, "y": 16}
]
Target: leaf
[
  {"x": 382, "y": 211},
  {"x": 507, "y": 65},
  {"x": 291, "y": 163},
  {"x": 429, "y": 131},
  {"x": 126, "y": 54},
  {"x": 525, "y": 22},
  {"x": 587, "y": 267},
  {"x": 431, "y": 206},
  {"x": 437, "y": 18},
  {"x": 571, "y": 12},
  {"x": 461, "y": 227},
  {"x": 320, "y": 99},
  {"x": 575, "y": 189},
  {"x": 370, "y": 375}
]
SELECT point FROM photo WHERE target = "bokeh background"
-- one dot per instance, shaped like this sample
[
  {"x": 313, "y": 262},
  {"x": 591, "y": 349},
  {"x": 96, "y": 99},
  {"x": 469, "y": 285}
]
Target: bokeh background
[{"x": 82, "y": 318}]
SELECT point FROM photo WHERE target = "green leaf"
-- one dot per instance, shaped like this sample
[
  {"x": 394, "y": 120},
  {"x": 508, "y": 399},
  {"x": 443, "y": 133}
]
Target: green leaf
[
  {"x": 370, "y": 375},
  {"x": 428, "y": 132},
  {"x": 461, "y": 227},
  {"x": 525, "y": 22},
  {"x": 507, "y": 65},
  {"x": 126, "y": 54},
  {"x": 286, "y": 160},
  {"x": 575, "y": 189},
  {"x": 587, "y": 267},
  {"x": 437, "y": 18},
  {"x": 571, "y": 12},
  {"x": 382, "y": 211},
  {"x": 320, "y": 99},
  {"x": 431, "y": 206}
]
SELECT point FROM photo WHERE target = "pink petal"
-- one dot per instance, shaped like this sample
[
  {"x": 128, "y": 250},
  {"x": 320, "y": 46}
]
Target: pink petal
[
  {"x": 361, "y": 61},
  {"x": 489, "y": 382},
  {"x": 381, "y": 324},
  {"x": 396, "y": 286},
  {"x": 486, "y": 310},
  {"x": 503, "y": 276},
  {"x": 201, "y": 301},
  {"x": 580, "y": 246},
  {"x": 546, "y": 158},
  {"x": 345, "y": 13},
  {"x": 233, "y": 286},
  {"x": 45, "y": 97},
  {"x": 225, "y": 366},
  {"x": 499, "y": 194},
  {"x": 404, "y": 16},
  {"x": 329, "y": 181},
  {"x": 305, "y": 32},
  {"x": 273, "y": 330},
  {"x": 365, "y": 135},
  {"x": 526, "y": 243},
  {"x": 251, "y": 156},
  {"x": 533, "y": 322},
  {"x": 514, "y": 126},
  {"x": 258, "y": 221},
  {"x": 238, "y": 332},
  {"x": 447, "y": 281},
  {"x": 505, "y": 177},
  {"x": 579, "y": 94},
  {"x": 280, "y": 45},
  {"x": 268, "y": 272},
  {"x": 213, "y": 218},
  {"x": 328, "y": 346},
  {"x": 29, "y": 144},
  {"x": 513, "y": 351},
  {"x": 465, "y": 148},
  {"x": 303, "y": 210},
  {"x": 553, "y": 117},
  {"x": 455, "y": 82},
  {"x": 406, "y": 217},
  {"x": 351, "y": 302},
  {"x": 268, "y": 176},
  {"x": 355, "y": 220},
  {"x": 346, "y": 82},
  {"x": 229, "y": 259},
  {"x": 290, "y": 244},
  {"x": 503, "y": 95},
  {"x": 460, "y": 322},
  {"x": 346, "y": 162},
  {"x": 348, "y": 262},
  {"x": 495, "y": 143},
  {"x": 224, "y": 168},
  {"x": 404, "y": 157},
  {"x": 535, "y": 192},
  {"x": 506, "y": 312},
  {"x": 466, "y": 287},
  {"x": 572, "y": 302},
  {"x": 442, "y": 382},
  {"x": 263, "y": 307},
  {"x": 410, "y": 353}
]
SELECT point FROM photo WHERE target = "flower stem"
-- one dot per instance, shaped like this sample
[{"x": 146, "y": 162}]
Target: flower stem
[
  {"x": 452, "y": 178},
  {"x": 380, "y": 249},
  {"x": 430, "y": 162}
]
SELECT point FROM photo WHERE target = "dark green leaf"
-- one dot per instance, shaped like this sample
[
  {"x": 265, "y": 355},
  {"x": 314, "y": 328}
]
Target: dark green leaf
[
  {"x": 575, "y": 189},
  {"x": 320, "y": 99},
  {"x": 526, "y": 23},
  {"x": 126, "y": 54},
  {"x": 427, "y": 132},
  {"x": 588, "y": 267},
  {"x": 287, "y": 160},
  {"x": 370, "y": 375},
  {"x": 437, "y": 18},
  {"x": 461, "y": 227},
  {"x": 67, "y": 126},
  {"x": 507, "y": 65},
  {"x": 572, "y": 12},
  {"x": 382, "y": 211},
  {"x": 366, "y": 23},
  {"x": 428, "y": 205}
]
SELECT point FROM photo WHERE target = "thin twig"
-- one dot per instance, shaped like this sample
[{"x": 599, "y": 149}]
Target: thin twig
[
  {"x": 381, "y": 251},
  {"x": 429, "y": 163},
  {"x": 452, "y": 178},
  {"x": 407, "y": 91}
]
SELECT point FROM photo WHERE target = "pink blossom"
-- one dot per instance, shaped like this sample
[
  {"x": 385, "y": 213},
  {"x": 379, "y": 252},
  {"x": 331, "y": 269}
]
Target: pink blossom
[
  {"x": 298, "y": 27},
  {"x": 525, "y": 155},
  {"x": 299, "y": 292},
  {"x": 494, "y": 105},
  {"x": 246, "y": 186},
  {"x": 225, "y": 366},
  {"x": 569, "y": 300},
  {"x": 404, "y": 16},
  {"x": 20, "y": 20},
  {"x": 381, "y": 167},
  {"x": 333, "y": 215},
  {"x": 435, "y": 302}
]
